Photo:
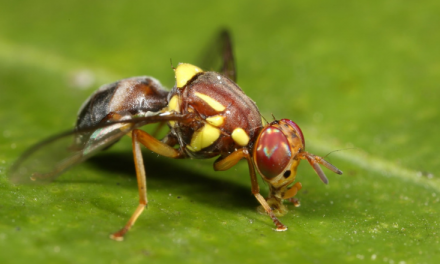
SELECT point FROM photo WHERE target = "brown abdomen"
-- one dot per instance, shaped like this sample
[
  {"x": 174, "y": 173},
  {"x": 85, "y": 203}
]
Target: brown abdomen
[{"x": 130, "y": 96}]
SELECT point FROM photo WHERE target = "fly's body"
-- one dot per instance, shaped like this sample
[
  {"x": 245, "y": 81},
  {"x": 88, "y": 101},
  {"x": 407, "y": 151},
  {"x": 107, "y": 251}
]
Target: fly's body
[{"x": 208, "y": 115}]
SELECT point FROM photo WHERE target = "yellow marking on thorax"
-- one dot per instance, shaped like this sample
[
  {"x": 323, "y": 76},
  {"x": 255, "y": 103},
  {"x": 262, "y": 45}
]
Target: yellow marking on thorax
[
  {"x": 174, "y": 105},
  {"x": 204, "y": 137},
  {"x": 216, "y": 120},
  {"x": 240, "y": 137},
  {"x": 184, "y": 72},
  {"x": 216, "y": 105}
]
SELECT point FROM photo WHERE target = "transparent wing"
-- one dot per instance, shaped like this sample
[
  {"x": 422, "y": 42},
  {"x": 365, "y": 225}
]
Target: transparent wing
[
  {"x": 46, "y": 160},
  {"x": 219, "y": 56}
]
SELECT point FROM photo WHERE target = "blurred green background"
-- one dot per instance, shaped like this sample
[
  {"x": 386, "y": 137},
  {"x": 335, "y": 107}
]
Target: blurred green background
[{"x": 358, "y": 76}]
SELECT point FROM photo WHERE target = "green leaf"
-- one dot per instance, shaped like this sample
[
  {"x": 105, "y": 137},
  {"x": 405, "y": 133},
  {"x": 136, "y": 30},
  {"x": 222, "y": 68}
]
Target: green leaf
[{"x": 359, "y": 77}]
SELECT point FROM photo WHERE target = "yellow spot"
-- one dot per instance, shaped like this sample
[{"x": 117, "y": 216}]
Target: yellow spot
[
  {"x": 184, "y": 72},
  {"x": 216, "y": 120},
  {"x": 216, "y": 105},
  {"x": 204, "y": 137},
  {"x": 173, "y": 105},
  {"x": 240, "y": 137}
]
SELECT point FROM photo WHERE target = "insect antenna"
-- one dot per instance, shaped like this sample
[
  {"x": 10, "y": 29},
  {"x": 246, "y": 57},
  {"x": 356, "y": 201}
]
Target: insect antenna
[
  {"x": 328, "y": 154},
  {"x": 265, "y": 120}
]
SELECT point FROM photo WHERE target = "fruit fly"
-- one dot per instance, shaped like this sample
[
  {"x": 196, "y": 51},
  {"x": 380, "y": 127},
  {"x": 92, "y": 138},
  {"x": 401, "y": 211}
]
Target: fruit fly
[{"x": 207, "y": 114}]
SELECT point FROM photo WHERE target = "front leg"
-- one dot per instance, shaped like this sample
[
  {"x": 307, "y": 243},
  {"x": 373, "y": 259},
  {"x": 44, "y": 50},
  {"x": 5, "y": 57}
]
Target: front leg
[
  {"x": 291, "y": 193},
  {"x": 227, "y": 162}
]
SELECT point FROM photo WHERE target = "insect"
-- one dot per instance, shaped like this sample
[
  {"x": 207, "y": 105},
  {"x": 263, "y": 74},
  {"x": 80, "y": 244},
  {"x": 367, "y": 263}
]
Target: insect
[{"x": 207, "y": 114}]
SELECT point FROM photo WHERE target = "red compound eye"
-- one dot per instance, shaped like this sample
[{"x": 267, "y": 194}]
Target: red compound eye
[
  {"x": 299, "y": 133},
  {"x": 272, "y": 153}
]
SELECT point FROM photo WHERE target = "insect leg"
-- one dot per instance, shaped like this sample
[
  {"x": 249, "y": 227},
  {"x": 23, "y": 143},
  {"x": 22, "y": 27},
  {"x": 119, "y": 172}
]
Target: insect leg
[
  {"x": 232, "y": 159},
  {"x": 157, "y": 146},
  {"x": 158, "y": 128},
  {"x": 225, "y": 163},
  {"x": 291, "y": 193},
  {"x": 142, "y": 137},
  {"x": 142, "y": 187}
]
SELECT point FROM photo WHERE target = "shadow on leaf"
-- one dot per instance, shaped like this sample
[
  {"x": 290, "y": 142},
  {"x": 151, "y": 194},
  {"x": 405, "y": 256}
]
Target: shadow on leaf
[{"x": 164, "y": 176}]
